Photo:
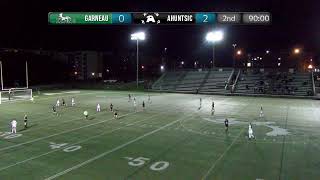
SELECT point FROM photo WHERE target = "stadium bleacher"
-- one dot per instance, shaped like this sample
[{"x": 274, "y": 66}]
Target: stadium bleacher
[{"x": 252, "y": 82}]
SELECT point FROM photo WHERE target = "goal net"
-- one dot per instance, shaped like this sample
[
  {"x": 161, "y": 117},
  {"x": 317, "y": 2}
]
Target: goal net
[{"x": 15, "y": 94}]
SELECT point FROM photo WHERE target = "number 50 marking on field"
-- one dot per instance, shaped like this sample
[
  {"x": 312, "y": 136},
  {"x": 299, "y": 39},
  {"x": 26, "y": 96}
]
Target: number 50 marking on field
[{"x": 156, "y": 166}]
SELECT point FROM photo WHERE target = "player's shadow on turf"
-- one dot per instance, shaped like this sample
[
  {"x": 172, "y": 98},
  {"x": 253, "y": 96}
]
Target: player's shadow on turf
[
  {"x": 28, "y": 127},
  {"x": 91, "y": 118}
]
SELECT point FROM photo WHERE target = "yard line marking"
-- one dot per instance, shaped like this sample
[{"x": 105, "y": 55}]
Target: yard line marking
[
  {"x": 72, "y": 144},
  {"x": 44, "y": 154},
  {"x": 110, "y": 151},
  {"x": 221, "y": 156},
  {"x": 63, "y": 132},
  {"x": 228, "y": 148},
  {"x": 38, "y": 139}
]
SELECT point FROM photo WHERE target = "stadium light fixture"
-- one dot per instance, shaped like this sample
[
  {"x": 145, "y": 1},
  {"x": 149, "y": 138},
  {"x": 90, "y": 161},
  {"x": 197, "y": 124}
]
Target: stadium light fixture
[
  {"x": 267, "y": 51},
  {"x": 182, "y": 62},
  {"x": 213, "y": 37},
  {"x": 297, "y": 51},
  {"x": 92, "y": 73},
  {"x": 279, "y": 64},
  {"x": 138, "y": 36},
  {"x": 310, "y": 66},
  {"x": 239, "y": 52},
  {"x": 162, "y": 68},
  {"x": 279, "y": 58}
]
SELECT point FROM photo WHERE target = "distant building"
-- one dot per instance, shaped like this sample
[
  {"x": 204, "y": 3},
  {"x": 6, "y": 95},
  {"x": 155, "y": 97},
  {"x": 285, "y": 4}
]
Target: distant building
[{"x": 84, "y": 64}]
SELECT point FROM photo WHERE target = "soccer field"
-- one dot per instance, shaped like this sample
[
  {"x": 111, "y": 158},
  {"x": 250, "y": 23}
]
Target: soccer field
[{"x": 170, "y": 140}]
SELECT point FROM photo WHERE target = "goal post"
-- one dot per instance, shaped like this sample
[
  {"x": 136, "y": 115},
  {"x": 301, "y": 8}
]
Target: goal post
[{"x": 15, "y": 94}]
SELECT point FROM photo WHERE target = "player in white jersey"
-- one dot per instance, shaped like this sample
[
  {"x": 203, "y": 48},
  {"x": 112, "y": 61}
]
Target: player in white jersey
[
  {"x": 250, "y": 132},
  {"x": 14, "y": 126},
  {"x": 73, "y": 102},
  {"x": 261, "y": 112},
  {"x": 98, "y": 107},
  {"x": 149, "y": 99},
  {"x": 135, "y": 104},
  {"x": 58, "y": 103},
  {"x": 86, "y": 114}
]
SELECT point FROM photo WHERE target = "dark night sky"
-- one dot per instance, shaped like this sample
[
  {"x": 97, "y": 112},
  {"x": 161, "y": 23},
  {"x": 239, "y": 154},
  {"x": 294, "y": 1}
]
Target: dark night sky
[{"x": 24, "y": 25}]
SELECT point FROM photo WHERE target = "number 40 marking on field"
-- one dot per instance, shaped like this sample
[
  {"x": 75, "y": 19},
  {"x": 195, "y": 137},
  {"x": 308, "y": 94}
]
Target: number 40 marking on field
[
  {"x": 156, "y": 166},
  {"x": 65, "y": 149}
]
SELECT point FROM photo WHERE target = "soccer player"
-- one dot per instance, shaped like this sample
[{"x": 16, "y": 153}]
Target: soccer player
[
  {"x": 63, "y": 102},
  {"x": 14, "y": 126},
  {"x": 226, "y": 124},
  {"x": 261, "y": 112},
  {"x": 54, "y": 110},
  {"x": 98, "y": 107},
  {"x": 86, "y": 114},
  {"x": 115, "y": 115},
  {"x": 250, "y": 132},
  {"x": 135, "y": 104},
  {"x": 25, "y": 121},
  {"x": 149, "y": 99},
  {"x": 200, "y": 104},
  {"x": 212, "y": 109},
  {"x": 73, "y": 102},
  {"x": 143, "y": 105},
  {"x": 32, "y": 99},
  {"x": 58, "y": 103},
  {"x": 111, "y": 107},
  {"x": 129, "y": 96}
]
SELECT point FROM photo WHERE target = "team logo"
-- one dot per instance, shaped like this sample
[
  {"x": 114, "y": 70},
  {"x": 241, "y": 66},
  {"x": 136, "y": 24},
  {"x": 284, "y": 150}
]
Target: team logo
[
  {"x": 63, "y": 19},
  {"x": 150, "y": 18}
]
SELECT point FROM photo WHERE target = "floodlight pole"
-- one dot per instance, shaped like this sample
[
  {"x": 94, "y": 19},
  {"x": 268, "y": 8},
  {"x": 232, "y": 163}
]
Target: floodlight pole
[
  {"x": 234, "y": 55},
  {"x": 137, "y": 63},
  {"x": 1, "y": 75},
  {"x": 27, "y": 76},
  {"x": 213, "y": 58}
]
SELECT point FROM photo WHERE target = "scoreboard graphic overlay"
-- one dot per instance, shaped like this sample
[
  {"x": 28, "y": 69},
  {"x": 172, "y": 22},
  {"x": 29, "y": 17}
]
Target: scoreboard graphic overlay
[{"x": 158, "y": 18}]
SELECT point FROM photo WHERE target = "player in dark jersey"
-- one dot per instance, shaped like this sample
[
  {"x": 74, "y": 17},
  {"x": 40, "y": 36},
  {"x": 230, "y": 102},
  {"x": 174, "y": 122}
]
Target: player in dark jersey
[
  {"x": 200, "y": 104},
  {"x": 111, "y": 107},
  {"x": 212, "y": 108},
  {"x": 129, "y": 96},
  {"x": 25, "y": 121},
  {"x": 226, "y": 124},
  {"x": 143, "y": 105},
  {"x": 54, "y": 110},
  {"x": 63, "y": 102}
]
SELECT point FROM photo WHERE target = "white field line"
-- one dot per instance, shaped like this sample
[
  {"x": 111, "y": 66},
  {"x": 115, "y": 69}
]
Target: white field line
[
  {"x": 61, "y": 122},
  {"x": 109, "y": 152},
  {"x": 51, "y": 117},
  {"x": 79, "y": 142},
  {"x": 63, "y": 132},
  {"x": 222, "y": 155}
]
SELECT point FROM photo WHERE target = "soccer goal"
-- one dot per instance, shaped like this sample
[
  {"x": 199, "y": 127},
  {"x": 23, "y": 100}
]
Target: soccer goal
[{"x": 15, "y": 94}]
